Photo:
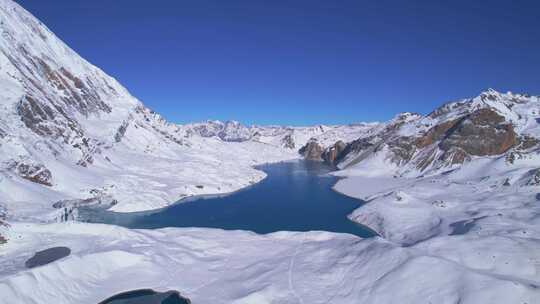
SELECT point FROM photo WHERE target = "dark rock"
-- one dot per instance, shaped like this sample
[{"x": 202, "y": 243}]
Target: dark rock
[
  {"x": 47, "y": 256},
  {"x": 75, "y": 203},
  {"x": 403, "y": 149},
  {"x": 535, "y": 178},
  {"x": 358, "y": 150},
  {"x": 121, "y": 132},
  {"x": 147, "y": 296},
  {"x": 481, "y": 133},
  {"x": 526, "y": 142},
  {"x": 454, "y": 156},
  {"x": 35, "y": 173},
  {"x": 288, "y": 142},
  {"x": 3, "y": 239},
  {"x": 435, "y": 134},
  {"x": 427, "y": 157},
  {"x": 312, "y": 151},
  {"x": 34, "y": 114},
  {"x": 331, "y": 154}
]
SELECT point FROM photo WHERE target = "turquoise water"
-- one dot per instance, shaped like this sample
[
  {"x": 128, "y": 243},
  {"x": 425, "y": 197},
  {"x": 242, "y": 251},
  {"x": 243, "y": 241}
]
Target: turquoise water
[{"x": 296, "y": 196}]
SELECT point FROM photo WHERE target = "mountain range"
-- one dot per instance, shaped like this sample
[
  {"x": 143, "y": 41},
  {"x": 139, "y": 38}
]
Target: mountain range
[
  {"x": 452, "y": 195},
  {"x": 69, "y": 131}
]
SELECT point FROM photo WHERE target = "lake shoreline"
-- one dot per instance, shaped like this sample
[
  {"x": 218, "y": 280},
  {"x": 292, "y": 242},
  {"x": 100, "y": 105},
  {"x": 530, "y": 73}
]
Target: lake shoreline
[{"x": 314, "y": 189}]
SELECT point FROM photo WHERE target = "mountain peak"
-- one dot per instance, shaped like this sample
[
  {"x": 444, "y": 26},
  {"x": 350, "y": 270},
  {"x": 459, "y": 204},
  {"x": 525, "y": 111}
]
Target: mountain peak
[{"x": 490, "y": 91}]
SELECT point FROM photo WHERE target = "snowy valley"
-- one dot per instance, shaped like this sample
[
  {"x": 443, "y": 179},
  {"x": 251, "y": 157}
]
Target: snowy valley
[{"x": 453, "y": 195}]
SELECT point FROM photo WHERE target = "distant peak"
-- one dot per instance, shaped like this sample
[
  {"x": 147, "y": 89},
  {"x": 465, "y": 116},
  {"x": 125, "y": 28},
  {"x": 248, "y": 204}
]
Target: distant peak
[
  {"x": 490, "y": 91},
  {"x": 405, "y": 116}
]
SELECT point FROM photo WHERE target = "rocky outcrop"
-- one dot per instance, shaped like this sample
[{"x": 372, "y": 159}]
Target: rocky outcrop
[
  {"x": 312, "y": 151},
  {"x": 47, "y": 256},
  {"x": 148, "y": 296},
  {"x": 453, "y": 134},
  {"x": 526, "y": 142},
  {"x": 435, "y": 134},
  {"x": 3, "y": 224},
  {"x": 481, "y": 133},
  {"x": 121, "y": 131},
  {"x": 331, "y": 155},
  {"x": 534, "y": 180},
  {"x": 402, "y": 149},
  {"x": 36, "y": 173},
  {"x": 288, "y": 142}
]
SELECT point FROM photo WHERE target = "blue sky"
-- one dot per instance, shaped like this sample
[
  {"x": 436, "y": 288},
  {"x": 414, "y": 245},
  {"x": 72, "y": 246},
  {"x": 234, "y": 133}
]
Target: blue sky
[{"x": 302, "y": 62}]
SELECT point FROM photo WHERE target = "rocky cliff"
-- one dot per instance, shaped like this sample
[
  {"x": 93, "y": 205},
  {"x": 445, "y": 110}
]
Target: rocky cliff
[{"x": 488, "y": 125}]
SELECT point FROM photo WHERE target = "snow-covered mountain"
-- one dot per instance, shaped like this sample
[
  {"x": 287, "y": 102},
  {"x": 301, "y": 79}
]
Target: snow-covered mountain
[
  {"x": 281, "y": 136},
  {"x": 490, "y": 124},
  {"x": 70, "y": 132}
]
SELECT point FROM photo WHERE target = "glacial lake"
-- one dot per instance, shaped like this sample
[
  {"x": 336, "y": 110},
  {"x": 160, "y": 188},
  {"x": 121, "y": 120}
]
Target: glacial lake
[{"x": 295, "y": 196}]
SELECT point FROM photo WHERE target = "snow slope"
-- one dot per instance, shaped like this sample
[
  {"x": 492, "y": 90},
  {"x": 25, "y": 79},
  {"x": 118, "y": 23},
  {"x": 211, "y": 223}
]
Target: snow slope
[
  {"x": 482, "y": 213},
  {"x": 215, "y": 266}
]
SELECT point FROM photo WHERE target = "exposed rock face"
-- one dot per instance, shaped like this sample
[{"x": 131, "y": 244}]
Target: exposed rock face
[
  {"x": 535, "y": 178},
  {"x": 435, "y": 134},
  {"x": 402, "y": 148},
  {"x": 121, "y": 132},
  {"x": 312, "y": 151},
  {"x": 3, "y": 224},
  {"x": 332, "y": 154},
  {"x": 49, "y": 114},
  {"x": 288, "y": 142},
  {"x": 481, "y": 133},
  {"x": 527, "y": 142},
  {"x": 453, "y": 134},
  {"x": 34, "y": 173}
]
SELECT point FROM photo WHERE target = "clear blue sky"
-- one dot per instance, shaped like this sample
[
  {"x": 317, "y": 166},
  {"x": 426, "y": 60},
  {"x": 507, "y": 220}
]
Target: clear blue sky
[{"x": 302, "y": 62}]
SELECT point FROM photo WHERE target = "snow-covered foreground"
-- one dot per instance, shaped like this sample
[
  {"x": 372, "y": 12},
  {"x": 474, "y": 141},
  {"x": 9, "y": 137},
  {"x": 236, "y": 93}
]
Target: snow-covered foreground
[
  {"x": 483, "y": 217},
  {"x": 215, "y": 266}
]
